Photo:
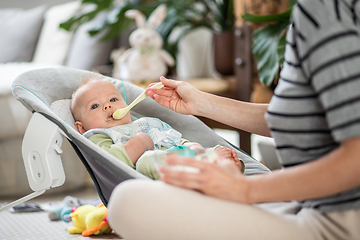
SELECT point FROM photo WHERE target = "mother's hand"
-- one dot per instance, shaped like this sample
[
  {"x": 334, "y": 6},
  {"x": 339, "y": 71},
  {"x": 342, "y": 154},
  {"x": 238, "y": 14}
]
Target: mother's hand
[
  {"x": 222, "y": 179},
  {"x": 178, "y": 96}
]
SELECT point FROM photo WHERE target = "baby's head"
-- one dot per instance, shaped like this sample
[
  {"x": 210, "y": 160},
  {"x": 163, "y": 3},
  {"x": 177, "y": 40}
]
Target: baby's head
[{"x": 94, "y": 103}]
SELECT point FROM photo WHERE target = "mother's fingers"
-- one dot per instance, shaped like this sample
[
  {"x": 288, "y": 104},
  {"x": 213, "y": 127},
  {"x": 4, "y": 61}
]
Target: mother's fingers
[
  {"x": 166, "y": 92},
  {"x": 169, "y": 82},
  {"x": 173, "y": 159},
  {"x": 182, "y": 178}
]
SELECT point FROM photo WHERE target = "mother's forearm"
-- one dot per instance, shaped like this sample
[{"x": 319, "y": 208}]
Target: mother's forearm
[
  {"x": 332, "y": 174},
  {"x": 246, "y": 116}
]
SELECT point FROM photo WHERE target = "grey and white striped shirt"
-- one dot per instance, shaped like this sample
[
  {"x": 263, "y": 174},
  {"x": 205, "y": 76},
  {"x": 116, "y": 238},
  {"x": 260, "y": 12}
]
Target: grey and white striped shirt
[{"x": 316, "y": 104}]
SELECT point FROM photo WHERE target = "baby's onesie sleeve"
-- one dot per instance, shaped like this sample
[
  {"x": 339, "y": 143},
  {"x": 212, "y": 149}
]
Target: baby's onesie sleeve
[
  {"x": 145, "y": 165},
  {"x": 116, "y": 149}
]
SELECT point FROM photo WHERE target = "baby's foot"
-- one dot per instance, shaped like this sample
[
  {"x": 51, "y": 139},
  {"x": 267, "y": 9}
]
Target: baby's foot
[{"x": 227, "y": 153}]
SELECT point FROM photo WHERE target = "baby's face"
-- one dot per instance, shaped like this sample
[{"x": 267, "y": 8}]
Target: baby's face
[{"x": 95, "y": 102}]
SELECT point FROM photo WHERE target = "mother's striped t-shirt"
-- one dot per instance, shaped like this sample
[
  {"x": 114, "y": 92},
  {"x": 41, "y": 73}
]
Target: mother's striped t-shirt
[{"x": 316, "y": 104}]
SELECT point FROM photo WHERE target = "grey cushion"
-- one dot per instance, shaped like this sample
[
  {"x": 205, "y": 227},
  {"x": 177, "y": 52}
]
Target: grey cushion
[
  {"x": 20, "y": 31},
  {"x": 87, "y": 52}
]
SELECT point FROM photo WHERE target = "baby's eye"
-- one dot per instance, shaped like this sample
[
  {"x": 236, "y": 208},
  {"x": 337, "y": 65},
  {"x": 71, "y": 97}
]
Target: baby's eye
[
  {"x": 94, "y": 106},
  {"x": 113, "y": 100}
]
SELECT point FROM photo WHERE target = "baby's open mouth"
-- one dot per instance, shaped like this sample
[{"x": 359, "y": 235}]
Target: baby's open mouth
[{"x": 109, "y": 118}]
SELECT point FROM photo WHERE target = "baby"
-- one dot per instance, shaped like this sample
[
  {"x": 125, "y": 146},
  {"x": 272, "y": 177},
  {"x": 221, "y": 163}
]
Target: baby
[{"x": 93, "y": 105}]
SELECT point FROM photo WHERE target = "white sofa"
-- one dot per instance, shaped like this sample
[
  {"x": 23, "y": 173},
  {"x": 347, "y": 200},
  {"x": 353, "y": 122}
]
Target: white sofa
[{"x": 31, "y": 39}]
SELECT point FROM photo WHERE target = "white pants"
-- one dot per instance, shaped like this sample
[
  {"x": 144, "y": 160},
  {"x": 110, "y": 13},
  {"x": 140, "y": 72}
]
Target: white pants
[{"x": 153, "y": 210}]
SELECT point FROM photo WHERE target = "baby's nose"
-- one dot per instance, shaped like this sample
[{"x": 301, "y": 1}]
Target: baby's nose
[{"x": 107, "y": 107}]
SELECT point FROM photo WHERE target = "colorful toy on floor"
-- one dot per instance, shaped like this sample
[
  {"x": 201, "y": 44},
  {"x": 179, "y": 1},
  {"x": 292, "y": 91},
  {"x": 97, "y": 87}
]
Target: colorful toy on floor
[
  {"x": 78, "y": 217},
  {"x": 65, "y": 207},
  {"x": 65, "y": 214},
  {"x": 89, "y": 220}
]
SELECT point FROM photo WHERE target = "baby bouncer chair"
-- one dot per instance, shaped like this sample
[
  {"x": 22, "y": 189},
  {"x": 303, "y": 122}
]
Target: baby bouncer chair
[{"x": 47, "y": 92}]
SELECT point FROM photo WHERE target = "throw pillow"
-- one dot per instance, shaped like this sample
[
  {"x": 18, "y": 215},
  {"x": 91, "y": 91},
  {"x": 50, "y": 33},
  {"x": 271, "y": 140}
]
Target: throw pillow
[
  {"x": 54, "y": 42},
  {"x": 87, "y": 52},
  {"x": 20, "y": 32}
]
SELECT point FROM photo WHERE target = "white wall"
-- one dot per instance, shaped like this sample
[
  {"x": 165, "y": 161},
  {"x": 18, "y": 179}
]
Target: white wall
[{"x": 27, "y": 4}]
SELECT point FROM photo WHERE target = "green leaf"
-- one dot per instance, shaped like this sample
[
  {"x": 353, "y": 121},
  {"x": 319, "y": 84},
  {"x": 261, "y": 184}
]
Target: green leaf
[
  {"x": 292, "y": 3},
  {"x": 115, "y": 29},
  {"x": 269, "y": 43},
  {"x": 169, "y": 23},
  {"x": 216, "y": 11},
  {"x": 87, "y": 14},
  {"x": 222, "y": 12},
  {"x": 265, "y": 50},
  {"x": 78, "y": 18},
  {"x": 283, "y": 17},
  {"x": 103, "y": 4}
]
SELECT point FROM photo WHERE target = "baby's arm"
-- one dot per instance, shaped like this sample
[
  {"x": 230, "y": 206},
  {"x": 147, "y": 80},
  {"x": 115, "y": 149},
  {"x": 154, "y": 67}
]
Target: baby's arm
[
  {"x": 137, "y": 145},
  {"x": 116, "y": 149}
]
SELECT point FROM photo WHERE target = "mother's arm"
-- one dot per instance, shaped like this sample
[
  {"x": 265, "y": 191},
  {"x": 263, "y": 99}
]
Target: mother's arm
[
  {"x": 184, "y": 98},
  {"x": 246, "y": 116}
]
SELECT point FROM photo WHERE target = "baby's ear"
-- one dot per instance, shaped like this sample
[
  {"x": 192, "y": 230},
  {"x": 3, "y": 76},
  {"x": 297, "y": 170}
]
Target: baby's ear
[{"x": 80, "y": 127}]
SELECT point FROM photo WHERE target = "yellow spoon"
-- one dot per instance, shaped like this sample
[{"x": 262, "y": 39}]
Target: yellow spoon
[{"x": 120, "y": 113}]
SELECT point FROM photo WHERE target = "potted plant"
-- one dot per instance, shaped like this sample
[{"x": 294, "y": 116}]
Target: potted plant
[
  {"x": 223, "y": 12},
  {"x": 215, "y": 15},
  {"x": 185, "y": 31},
  {"x": 182, "y": 17},
  {"x": 113, "y": 22},
  {"x": 269, "y": 43}
]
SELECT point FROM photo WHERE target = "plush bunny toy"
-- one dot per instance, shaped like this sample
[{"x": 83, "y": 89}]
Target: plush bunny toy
[{"x": 146, "y": 60}]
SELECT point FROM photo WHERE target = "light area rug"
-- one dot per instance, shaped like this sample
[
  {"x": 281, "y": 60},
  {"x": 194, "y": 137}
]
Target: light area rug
[{"x": 37, "y": 226}]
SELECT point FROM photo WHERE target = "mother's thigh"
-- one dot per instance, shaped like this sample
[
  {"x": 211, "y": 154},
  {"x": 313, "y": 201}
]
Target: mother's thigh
[{"x": 142, "y": 209}]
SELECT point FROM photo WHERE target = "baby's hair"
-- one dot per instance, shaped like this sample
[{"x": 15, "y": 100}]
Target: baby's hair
[{"x": 88, "y": 77}]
